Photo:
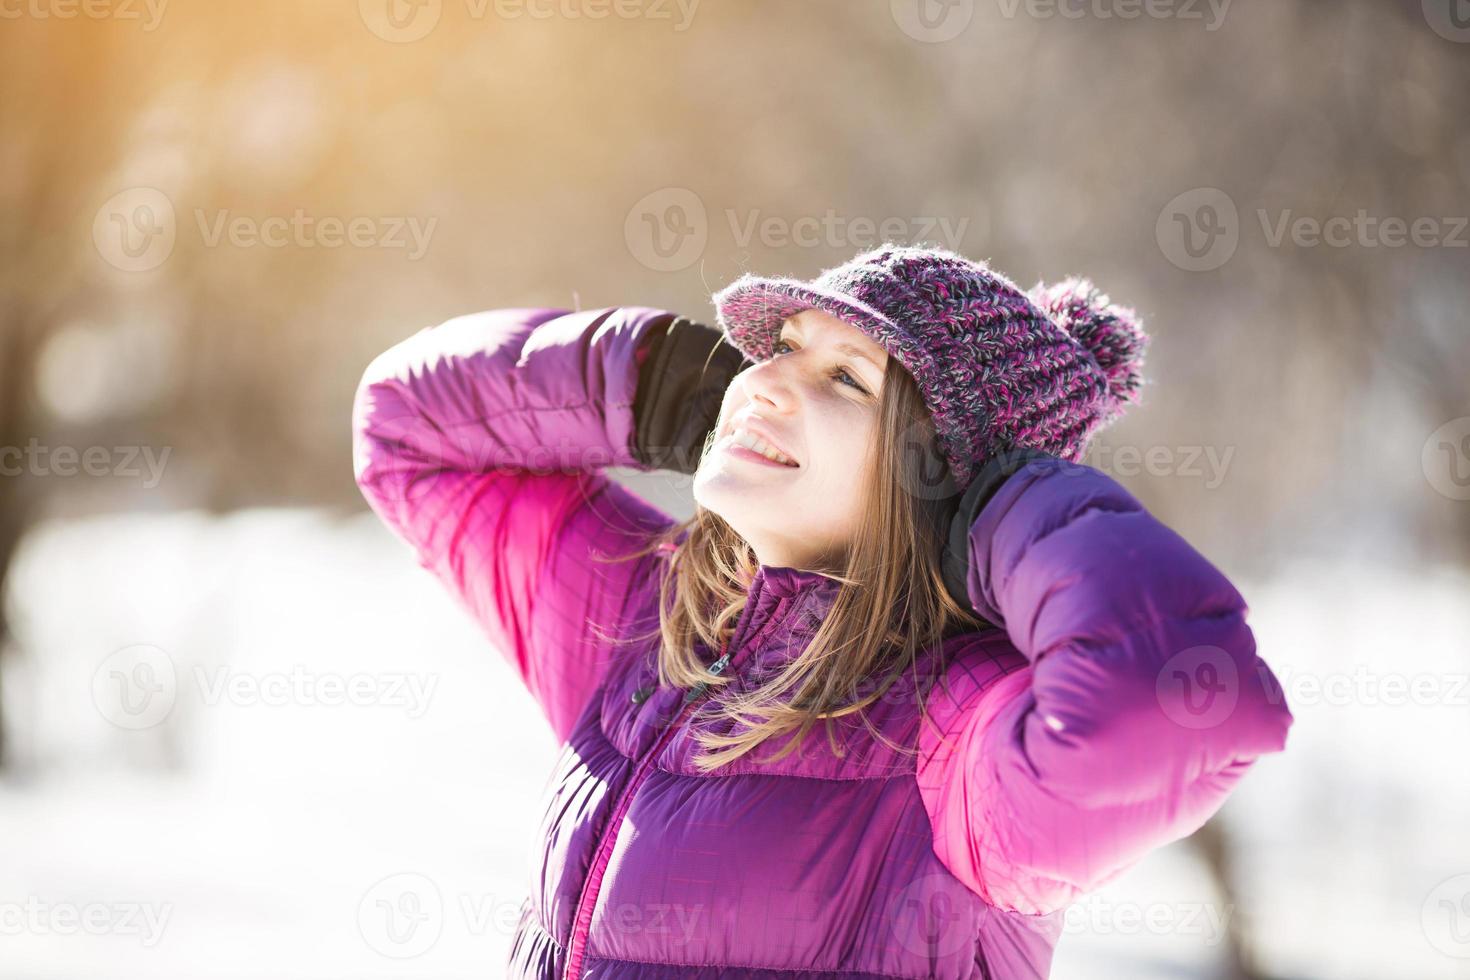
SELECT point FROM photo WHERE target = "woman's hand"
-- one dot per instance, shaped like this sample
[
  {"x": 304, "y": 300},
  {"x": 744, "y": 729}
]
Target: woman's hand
[
  {"x": 682, "y": 379},
  {"x": 966, "y": 507}
]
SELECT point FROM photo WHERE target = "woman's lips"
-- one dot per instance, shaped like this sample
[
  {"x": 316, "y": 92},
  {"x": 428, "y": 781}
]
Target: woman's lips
[
  {"x": 729, "y": 445},
  {"x": 761, "y": 434}
]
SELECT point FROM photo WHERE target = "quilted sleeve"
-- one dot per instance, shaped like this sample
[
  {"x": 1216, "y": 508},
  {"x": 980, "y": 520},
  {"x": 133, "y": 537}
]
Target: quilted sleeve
[
  {"x": 481, "y": 443},
  {"x": 1133, "y": 705}
]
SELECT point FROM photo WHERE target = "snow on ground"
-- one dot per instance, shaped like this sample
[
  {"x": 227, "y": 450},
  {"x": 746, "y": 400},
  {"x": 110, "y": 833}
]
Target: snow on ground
[{"x": 241, "y": 742}]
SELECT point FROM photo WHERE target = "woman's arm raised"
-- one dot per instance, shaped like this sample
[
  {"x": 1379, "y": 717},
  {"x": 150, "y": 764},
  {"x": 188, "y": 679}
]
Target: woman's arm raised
[
  {"x": 481, "y": 443},
  {"x": 1137, "y": 705}
]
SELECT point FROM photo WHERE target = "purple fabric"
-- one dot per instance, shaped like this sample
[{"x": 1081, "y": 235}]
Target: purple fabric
[{"x": 1062, "y": 749}]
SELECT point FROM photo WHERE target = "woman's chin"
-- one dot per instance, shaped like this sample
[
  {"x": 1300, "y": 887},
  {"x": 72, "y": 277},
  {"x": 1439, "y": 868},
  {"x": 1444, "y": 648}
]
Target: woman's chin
[{"x": 728, "y": 490}]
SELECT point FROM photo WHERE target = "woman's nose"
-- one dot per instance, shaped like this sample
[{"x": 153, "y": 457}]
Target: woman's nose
[{"x": 767, "y": 383}]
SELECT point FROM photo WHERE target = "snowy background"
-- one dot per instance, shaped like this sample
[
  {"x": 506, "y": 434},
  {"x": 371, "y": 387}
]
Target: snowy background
[{"x": 245, "y": 835}]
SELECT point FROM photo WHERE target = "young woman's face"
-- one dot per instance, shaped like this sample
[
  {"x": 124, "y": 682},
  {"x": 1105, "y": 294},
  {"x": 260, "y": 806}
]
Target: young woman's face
[{"x": 816, "y": 400}]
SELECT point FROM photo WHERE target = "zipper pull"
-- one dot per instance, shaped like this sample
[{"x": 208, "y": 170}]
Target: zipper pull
[{"x": 716, "y": 668}]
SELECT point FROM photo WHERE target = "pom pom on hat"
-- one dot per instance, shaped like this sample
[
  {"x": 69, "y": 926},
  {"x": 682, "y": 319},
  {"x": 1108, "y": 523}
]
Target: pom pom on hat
[{"x": 1113, "y": 334}]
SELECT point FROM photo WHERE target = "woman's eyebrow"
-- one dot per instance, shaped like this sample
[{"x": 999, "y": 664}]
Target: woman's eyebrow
[
  {"x": 856, "y": 351},
  {"x": 847, "y": 348}
]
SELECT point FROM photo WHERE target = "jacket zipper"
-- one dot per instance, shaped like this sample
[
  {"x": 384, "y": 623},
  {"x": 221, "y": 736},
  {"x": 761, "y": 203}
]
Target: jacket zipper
[{"x": 582, "y": 922}]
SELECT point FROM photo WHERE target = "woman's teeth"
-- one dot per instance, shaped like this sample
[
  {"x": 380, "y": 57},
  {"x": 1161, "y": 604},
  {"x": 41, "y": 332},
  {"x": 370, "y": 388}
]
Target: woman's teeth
[{"x": 750, "y": 441}]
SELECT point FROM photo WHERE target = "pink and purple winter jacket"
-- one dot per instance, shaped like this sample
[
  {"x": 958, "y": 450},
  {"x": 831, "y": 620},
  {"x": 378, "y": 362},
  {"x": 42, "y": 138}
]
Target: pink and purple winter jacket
[{"x": 1113, "y": 709}]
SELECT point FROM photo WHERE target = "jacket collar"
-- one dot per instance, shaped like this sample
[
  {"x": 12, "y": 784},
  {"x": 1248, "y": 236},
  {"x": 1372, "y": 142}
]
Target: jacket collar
[
  {"x": 785, "y": 582},
  {"x": 783, "y": 602}
]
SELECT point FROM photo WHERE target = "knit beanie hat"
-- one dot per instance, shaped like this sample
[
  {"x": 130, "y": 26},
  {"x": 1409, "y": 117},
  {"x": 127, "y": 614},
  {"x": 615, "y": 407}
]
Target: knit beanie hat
[{"x": 998, "y": 368}]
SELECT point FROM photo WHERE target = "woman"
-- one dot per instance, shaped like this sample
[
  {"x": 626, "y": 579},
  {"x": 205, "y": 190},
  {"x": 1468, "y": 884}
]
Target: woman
[{"x": 1025, "y": 682}]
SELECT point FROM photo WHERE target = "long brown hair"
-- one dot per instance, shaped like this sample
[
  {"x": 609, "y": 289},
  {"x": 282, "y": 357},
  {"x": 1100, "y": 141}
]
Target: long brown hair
[{"x": 890, "y": 607}]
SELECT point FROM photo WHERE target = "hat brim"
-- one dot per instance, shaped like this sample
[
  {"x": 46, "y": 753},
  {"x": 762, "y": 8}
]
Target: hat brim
[{"x": 751, "y": 309}]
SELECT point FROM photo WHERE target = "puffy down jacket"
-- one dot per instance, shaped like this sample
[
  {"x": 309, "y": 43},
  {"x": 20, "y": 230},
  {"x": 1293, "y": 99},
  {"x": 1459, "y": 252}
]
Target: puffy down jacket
[{"x": 1114, "y": 707}]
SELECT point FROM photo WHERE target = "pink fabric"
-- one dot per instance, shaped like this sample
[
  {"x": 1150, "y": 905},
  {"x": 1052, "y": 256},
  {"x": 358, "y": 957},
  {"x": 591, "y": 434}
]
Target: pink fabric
[
  {"x": 1138, "y": 707},
  {"x": 480, "y": 442}
]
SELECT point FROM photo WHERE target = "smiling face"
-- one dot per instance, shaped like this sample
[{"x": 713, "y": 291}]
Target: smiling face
[{"x": 815, "y": 402}]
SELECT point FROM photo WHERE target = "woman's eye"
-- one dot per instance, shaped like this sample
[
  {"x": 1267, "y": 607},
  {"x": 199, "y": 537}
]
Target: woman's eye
[{"x": 839, "y": 374}]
